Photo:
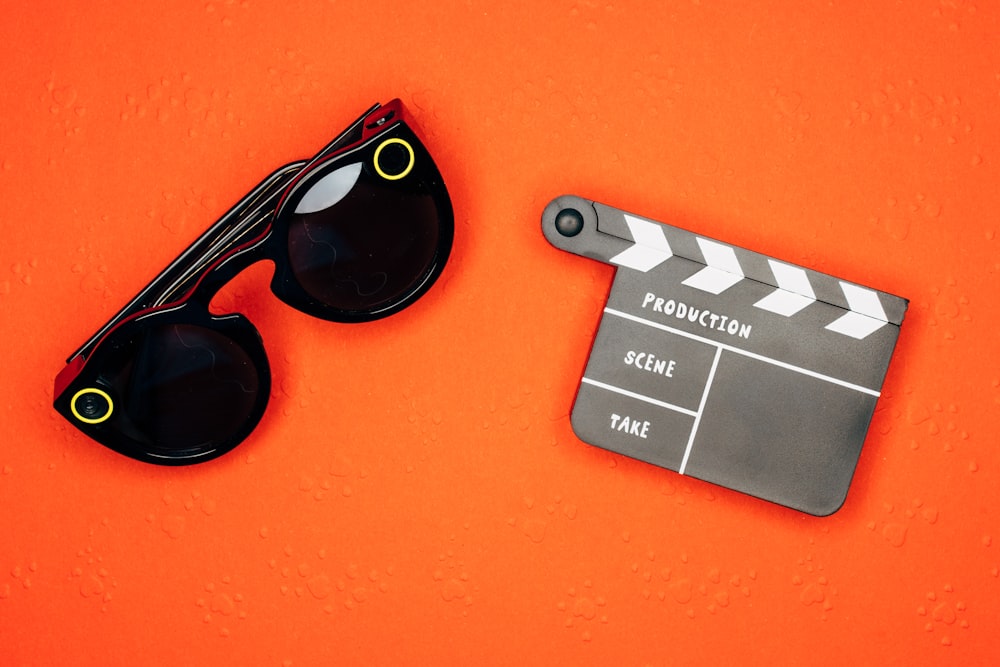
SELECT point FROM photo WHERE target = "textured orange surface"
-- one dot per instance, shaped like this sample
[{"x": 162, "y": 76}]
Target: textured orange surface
[{"x": 415, "y": 494}]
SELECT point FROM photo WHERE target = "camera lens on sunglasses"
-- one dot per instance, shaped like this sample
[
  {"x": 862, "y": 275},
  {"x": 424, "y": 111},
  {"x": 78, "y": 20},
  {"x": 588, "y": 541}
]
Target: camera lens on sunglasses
[{"x": 357, "y": 233}]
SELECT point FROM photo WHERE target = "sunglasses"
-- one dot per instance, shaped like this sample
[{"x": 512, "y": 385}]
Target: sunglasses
[{"x": 357, "y": 233}]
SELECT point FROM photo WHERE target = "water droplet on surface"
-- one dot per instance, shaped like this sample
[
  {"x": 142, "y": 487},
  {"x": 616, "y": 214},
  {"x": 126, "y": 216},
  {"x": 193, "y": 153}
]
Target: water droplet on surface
[
  {"x": 340, "y": 467},
  {"x": 173, "y": 525},
  {"x": 585, "y": 608},
  {"x": 811, "y": 594},
  {"x": 91, "y": 587},
  {"x": 535, "y": 530},
  {"x": 681, "y": 591},
  {"x": 320, "y": 586},
  {"x": 223, "y": 604}
]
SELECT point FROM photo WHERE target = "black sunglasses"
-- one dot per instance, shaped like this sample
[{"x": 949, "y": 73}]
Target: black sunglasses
[{"x": 358, "y": 232}]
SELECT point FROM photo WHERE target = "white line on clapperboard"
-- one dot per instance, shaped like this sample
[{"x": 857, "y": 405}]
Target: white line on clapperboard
[{"x": 711, "y": 376}]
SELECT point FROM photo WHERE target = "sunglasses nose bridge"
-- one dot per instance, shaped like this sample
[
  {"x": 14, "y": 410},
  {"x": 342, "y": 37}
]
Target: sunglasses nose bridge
[{"x": 227, "y": 268}]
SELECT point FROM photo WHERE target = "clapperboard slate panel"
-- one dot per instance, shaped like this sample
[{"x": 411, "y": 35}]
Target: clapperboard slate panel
[{"x": 725, "y": 364}]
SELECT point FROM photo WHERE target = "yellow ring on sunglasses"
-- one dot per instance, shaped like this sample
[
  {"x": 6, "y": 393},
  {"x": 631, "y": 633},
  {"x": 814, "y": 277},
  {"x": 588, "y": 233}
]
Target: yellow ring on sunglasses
[
  {"x": 84, "y": 392},
  {"x": 409, "y": 166}
]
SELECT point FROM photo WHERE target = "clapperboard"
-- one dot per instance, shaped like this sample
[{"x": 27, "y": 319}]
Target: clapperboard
[{"x": 725, "y": 364}]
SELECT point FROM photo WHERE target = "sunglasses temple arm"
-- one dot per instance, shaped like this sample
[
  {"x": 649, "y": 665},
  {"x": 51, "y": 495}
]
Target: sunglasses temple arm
[
  {"x": 147, "y": 297},
  {"x": 250, "y": 222},
  {"x": 349, "y": 136},
  {"x": 228, "y": 223},
  {"x": 257, "y": 211}
]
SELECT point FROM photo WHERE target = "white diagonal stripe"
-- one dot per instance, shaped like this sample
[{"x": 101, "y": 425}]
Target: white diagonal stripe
[
  {"x": 792, "y": 278},
  {"x": 712, "y": 280},
  {"x": 866, "y": 315},
  {"x": 863, "y": 300},
  {"x": 784, "y": 302},
  {"x": 720, "y": 256},
  {"x": 651, "y": 247},
  {"x": 723, "y": 270},
  {"x": 856, "y": 325},
  {"x": 794, "y": 291}
]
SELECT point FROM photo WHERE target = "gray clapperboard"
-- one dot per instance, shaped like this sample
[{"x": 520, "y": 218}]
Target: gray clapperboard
[{"x": 725, "y": 364}]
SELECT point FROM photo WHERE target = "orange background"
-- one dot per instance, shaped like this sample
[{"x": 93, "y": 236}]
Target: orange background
[{"x": 414, "y": 494}]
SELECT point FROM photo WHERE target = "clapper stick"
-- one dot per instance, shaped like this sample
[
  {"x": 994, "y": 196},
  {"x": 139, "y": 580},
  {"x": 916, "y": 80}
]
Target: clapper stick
[{"x": 725, "y": 364}]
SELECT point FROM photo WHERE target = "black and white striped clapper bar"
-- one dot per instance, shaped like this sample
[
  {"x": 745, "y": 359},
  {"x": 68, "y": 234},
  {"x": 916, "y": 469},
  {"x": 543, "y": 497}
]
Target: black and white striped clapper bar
[{"x": 726, "y": 364}]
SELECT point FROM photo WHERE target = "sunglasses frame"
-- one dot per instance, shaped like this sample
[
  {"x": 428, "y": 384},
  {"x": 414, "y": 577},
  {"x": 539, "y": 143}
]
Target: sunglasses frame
[{"x": 253, "y": 230}]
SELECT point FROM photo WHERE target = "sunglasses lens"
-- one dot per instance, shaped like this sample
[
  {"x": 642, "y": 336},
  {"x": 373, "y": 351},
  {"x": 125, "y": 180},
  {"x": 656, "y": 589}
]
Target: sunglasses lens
[
  {"x": 369, "y": 249},
  {"x": 171, "y": 392},
  {"x": 367, "y": 237},
  {"x": 189, "y": 388}
]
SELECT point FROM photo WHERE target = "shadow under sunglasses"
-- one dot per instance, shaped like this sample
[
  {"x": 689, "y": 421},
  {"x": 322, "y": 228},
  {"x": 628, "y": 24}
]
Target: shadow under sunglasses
[{"x": 357, "y": 233}]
